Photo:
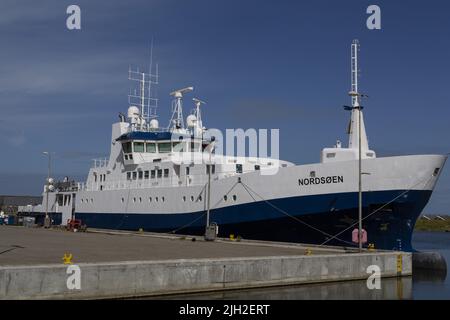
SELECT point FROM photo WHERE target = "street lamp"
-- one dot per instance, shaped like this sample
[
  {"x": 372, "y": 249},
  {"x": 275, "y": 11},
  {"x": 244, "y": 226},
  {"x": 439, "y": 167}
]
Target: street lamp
[{"x": 47, "y": 189}]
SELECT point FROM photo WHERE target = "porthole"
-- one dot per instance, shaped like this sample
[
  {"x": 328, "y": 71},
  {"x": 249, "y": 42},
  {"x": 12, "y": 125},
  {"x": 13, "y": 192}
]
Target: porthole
[
  {"x": 199, "y": 198},
  {"x": 225, "y": 198},
  {"x": 122, "y": 200},
  {"x": 234, "y": 197},
  {"x": 140, "y": 199},
  {"x": 184, "y": 198},
  {"x": 92, "y": 200},
  {"x": 81, "y": 200},
  {"x": 156, "y": 199},
  {"x": 134, "y": 199},
  {"x": 192, "y": 198},
  {"x": 162, "y": 198},
  {"x": 150, "y": 199}
]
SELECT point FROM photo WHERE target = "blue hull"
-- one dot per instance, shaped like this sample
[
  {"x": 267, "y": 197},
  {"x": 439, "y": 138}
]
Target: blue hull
[{"x": 390, "y": 228}]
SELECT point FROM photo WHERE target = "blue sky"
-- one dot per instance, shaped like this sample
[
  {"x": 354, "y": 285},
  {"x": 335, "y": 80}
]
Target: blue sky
[{"x": 259, "y": 64}]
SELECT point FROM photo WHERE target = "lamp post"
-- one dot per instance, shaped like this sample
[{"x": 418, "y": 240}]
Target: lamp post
[{"x": 47, "y": 189}]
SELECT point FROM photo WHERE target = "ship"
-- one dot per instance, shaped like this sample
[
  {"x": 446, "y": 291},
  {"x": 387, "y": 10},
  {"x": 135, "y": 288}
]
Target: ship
[{"x": 147, "y": 184}]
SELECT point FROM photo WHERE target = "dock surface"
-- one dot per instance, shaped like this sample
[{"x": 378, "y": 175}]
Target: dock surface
[{"x": 32, "y": 246}]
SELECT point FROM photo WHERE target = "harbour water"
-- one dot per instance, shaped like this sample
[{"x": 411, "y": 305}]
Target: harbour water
[{"x": 422, "y": 285}]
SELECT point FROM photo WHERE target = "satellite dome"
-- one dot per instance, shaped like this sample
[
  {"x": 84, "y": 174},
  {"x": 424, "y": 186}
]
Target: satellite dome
[
  {"x": 133, "y": 112},
  {"x": 154, "y": 124},
  {"x": 191, "y": 120}
]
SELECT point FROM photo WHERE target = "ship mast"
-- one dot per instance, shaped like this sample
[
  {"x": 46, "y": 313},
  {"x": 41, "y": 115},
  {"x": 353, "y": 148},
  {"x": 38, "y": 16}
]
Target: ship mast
[
  {"x": 144, "y": 98},
  {"x": 356, "y": 113}
]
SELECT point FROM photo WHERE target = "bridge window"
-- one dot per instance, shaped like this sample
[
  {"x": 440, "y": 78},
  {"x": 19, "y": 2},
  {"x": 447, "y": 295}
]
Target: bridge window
[
  {"x": 177, "y": 146},
  {"x": 126, "y": 147},
  {"x": 164, "y": 147},
  {"x": 195, "y": 146},
  {"x": 150, "y": 147},
  {"x": 238, "y": 168},
  {"x": 138, "y": 146}
]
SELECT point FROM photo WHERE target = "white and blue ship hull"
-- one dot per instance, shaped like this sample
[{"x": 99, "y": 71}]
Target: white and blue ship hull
[{"x": 282, "y": 207}]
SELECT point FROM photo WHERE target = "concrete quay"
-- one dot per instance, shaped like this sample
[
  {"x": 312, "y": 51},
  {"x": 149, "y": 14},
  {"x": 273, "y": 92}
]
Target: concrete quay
[{"x": 123, "y": 264}]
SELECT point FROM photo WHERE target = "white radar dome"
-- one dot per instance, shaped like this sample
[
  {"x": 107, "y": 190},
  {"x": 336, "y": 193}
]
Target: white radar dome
[
  {"x": 133, "y": 112},
  {"x": 191, "y": 120},
  {"x": 154, "y": 124}
]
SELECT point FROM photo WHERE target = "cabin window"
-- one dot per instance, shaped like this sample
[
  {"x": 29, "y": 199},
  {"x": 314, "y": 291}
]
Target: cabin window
[
  {"x": 146, "y": 174},
  {"x": 187, "y": 171},
  {"x": 150, "y": 147},
  {"x": 152, "y": 174},
  {"x": 126, "y": 157},
  {"x": 128, "y": 175},
  {"x": 130, "y": 157},
  {"x": 238, "y": 168},
  {"x": 159, "y": 173},
  {"x": 134, "y": 175},
  {"x": 369, "y": 154},
  {"x": 177, "y": 146},
  {"x": 331, "y": 155},
  {"x": 138, "y": 146},
  {"x": 195, "y": 146},
  {"x": 164, "y": 147},
  {"x": 225, "y": 198},
  {"x": 141, "y": 174},
  {"x": 126, "y": 147},
  {"x": 234, "y": 197},
  {"x": 257, "y": 167},
  {"x": 166, "y": 173}
]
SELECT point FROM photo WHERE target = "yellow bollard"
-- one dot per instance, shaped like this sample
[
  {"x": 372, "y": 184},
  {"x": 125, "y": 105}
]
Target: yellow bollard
[
  {"x": 232, "y": 237},
  {"x": 67, "y": 259},
  {"x": 308, "y": 252},
  {"x": 371, "y": 247}
]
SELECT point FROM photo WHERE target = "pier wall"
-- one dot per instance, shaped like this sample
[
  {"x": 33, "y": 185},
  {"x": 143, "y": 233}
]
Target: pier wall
[{"x": 143, "y": 278}]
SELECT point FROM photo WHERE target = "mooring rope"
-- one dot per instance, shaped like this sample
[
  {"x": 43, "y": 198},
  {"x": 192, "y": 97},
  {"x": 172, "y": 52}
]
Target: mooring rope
[
  {"x": 386, "y": 204},
  {"x": 213, "y": 207},
  {"x": 289, "y": 215}
]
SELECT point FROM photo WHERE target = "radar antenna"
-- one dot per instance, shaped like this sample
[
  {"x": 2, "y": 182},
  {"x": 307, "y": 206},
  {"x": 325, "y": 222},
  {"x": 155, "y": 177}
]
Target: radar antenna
[
  {"x": 198, "y": 113},
  {"x": 176, "y": 122}
]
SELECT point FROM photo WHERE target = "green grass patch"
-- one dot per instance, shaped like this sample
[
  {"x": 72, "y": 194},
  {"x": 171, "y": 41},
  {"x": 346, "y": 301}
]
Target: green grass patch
[{"x": 433, "y": 224}]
